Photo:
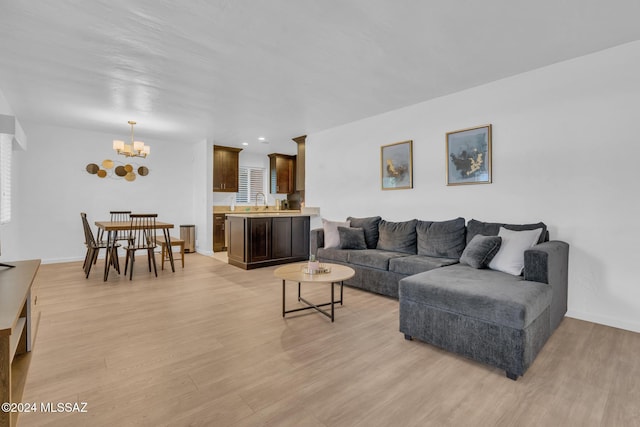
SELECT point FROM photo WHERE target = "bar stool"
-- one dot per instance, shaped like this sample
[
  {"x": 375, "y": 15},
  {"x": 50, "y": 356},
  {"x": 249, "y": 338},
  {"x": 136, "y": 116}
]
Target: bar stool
[{"x": 174, "y": 242}]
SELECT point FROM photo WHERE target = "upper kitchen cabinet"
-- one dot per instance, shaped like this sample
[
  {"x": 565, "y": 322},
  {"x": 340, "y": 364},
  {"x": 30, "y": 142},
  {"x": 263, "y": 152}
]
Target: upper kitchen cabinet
[
  {"x": 225, "y": 168},
  {"x": 300, "y": 166},
  {"x": 282, "y": 168}
]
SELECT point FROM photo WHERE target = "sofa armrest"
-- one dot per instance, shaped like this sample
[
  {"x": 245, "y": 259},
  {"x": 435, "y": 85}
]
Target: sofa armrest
[
  {"x": 316, "y": 241},
  {"x": 548, "y": 262}
]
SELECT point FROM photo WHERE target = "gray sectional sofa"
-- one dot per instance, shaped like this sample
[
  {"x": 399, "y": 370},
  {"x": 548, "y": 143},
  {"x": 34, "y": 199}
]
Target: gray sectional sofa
[{"x": 492, "y": 292}]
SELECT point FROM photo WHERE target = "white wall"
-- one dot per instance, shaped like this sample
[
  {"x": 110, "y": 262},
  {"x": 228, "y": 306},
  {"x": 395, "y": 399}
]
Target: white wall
[
  {"x": 565, "y": 151},
  {"x": 5, "y": 108},
  {"x": 52, "y": 187},
  {"x": 202, "y": 187}
]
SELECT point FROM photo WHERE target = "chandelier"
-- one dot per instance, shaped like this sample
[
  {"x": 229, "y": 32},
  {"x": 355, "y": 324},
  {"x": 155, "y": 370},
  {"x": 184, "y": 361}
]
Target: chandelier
[{"x": 135, "y": 149}]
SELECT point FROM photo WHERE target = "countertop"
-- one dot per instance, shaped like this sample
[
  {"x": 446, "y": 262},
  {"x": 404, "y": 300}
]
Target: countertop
[
  {"x": 267, "y": 214},
  {"x": 252, "y": 211}
]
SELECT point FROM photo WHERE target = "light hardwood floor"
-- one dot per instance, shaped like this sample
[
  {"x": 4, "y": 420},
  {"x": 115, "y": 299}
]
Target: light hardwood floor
[{"x": 208, "y": 346}]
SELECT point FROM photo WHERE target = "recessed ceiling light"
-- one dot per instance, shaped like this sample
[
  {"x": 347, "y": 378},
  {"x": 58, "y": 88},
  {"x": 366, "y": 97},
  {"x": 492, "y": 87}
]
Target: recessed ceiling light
[
  {"x": 261, "y": 138},
  {"x": 245, "y": 143}
]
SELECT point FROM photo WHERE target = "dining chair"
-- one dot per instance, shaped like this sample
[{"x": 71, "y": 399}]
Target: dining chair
[
  {"x": 94, "y": 246},
  {"x": 141, "y": 236},
  {"x": 120, "y": 216}
]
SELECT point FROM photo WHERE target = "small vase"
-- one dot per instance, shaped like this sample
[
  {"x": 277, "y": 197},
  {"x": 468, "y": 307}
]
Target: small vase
[{"x": 314, "y": 266}]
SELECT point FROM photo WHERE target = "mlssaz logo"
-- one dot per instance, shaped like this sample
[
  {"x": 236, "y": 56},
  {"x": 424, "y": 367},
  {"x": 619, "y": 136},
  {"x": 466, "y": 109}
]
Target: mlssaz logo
[{"x": 63, "y": 407}]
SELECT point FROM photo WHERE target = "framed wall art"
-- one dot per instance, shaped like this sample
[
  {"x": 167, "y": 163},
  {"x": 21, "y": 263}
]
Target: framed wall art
[
  {"x": 396, "y": 165},
  {"x": 469, "y": 156}
]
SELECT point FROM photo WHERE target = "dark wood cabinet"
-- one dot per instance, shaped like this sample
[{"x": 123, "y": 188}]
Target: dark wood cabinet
[
  {"x": 282, "y": 173},
  {"x": 267, "y": 240},
  {"x": 300, "y": 226},
  {"x": 219, "y": 241},
  {"x": 237, "y": 243},
  {"x": 259, "y": 239},
  {"x": 226, "y": 166},
  {"x": 300, "y": 159},
  {"x": 281, "y": 237}
]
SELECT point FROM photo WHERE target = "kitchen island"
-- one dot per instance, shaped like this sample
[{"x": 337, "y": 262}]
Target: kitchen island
[{"x": 264, "y": 239}]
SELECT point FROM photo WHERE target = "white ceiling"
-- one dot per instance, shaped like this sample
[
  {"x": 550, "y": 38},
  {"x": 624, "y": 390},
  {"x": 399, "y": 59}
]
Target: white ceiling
[{"x": 234, "y": 70}]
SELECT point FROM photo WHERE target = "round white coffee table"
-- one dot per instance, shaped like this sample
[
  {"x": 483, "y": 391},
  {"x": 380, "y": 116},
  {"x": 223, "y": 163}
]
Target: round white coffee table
[{"x": 295, "y": 273}]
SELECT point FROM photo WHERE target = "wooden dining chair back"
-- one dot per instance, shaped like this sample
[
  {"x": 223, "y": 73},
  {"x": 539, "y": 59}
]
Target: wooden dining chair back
[
  {"x": 142, "y": 236},
  {"x": 121, "y": 216},
  {"x": 93, "y": 247}
]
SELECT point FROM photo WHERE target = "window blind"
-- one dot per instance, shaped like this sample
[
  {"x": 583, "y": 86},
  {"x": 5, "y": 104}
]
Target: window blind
[
  {"x": 251, "y": 182},
  {"x": 5, "y": 178}
]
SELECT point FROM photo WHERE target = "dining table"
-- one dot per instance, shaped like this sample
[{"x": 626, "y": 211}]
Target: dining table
[{"x": 112, "y": 228}]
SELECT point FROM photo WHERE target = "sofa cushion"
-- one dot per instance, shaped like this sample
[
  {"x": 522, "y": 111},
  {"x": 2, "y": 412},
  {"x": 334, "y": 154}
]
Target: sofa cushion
[
  {"x": 492, "y": 228},
  {"x": 333, "y": 254},
  {"x": 488, "y": 295},
  {"x": 331, "y": 236},
  {"x": 370, "y": 227},
  {"x": 510, "y": 256},
  {"x": 413, "y": 264},
  {"x": 373, "y": 258},
  {"x": 398, "y": 236},
  {"x": 351, "y": 238},
  {"x": 480, "y": 251},
  {"x": 445, "y": 239}
]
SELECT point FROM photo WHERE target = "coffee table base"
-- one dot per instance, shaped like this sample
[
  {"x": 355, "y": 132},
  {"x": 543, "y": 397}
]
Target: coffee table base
[{"x": 310, "y": 305}]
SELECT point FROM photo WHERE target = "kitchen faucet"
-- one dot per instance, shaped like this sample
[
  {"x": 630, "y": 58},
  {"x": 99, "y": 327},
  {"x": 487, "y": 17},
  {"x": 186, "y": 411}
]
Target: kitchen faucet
[{"x": 264, "y": 199}]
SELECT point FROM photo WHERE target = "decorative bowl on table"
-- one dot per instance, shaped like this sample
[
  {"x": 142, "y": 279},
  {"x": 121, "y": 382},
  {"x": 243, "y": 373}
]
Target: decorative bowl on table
[{"x": 315, "y": 268}]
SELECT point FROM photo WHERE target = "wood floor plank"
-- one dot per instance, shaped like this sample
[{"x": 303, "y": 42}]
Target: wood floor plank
[{"x": 208, "y": 345}]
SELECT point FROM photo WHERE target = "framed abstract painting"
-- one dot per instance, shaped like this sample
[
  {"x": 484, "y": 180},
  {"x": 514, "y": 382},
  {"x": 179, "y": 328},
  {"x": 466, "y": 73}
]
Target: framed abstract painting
[
  {"x": 396, "y": 165},
  {"x": 469, "y": 156}
]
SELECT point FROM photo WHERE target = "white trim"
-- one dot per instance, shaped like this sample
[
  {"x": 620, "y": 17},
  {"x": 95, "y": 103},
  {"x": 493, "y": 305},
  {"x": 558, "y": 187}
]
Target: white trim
[{"x": 603, "y": 320}]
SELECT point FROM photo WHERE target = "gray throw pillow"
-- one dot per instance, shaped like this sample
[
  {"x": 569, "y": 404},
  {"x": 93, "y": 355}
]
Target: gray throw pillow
[
  {"x": 370, "y": 227},
  {"x": 442, "y": 239},
  {"x": 398, "y": 236},
  {"x": 480, "y": 251},
  {"x": 352, "y": 238}
]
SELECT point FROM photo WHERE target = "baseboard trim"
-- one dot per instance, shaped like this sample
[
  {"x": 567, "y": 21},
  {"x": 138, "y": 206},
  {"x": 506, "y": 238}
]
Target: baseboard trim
[
  {"x": 61, "y": 260},
  {"x": 603, "y": 320}
]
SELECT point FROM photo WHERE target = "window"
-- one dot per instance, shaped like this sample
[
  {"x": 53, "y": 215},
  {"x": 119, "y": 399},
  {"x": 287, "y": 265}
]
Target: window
[
  {"x": 5, "y": 178},
  {"x": 251, "y": 182}
]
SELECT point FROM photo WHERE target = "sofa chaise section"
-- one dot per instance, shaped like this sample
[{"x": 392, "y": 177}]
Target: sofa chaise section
[{"x": 490, "y": 316}]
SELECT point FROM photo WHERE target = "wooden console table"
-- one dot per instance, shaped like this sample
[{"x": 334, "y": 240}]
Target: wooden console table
[{"x": 15, "y": 327}]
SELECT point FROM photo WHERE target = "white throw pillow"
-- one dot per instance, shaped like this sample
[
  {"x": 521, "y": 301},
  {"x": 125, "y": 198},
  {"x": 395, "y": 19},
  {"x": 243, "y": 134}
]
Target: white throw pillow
[
  {"x": 510, "y": 256},
  {"x": 331, "y": 235}
]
